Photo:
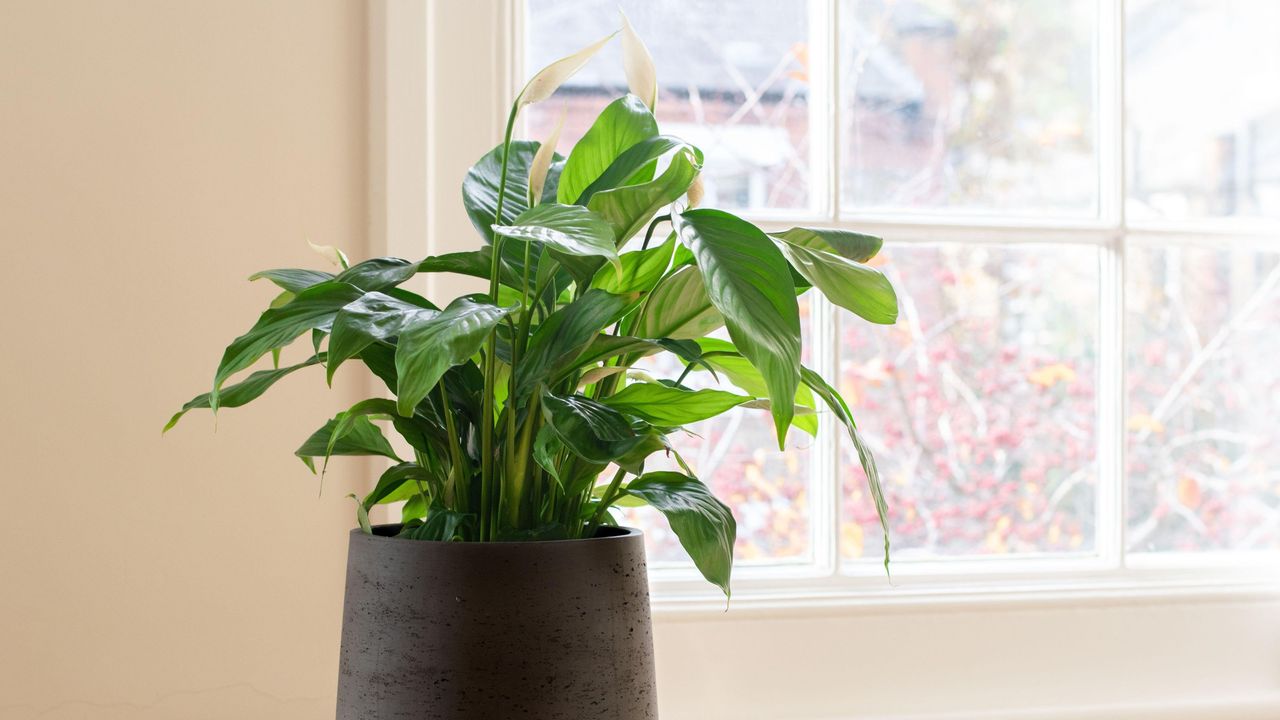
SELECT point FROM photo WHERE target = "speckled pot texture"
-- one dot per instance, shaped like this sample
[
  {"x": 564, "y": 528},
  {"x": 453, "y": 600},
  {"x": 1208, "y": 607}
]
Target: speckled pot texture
[{"x": 490, "y": 631}]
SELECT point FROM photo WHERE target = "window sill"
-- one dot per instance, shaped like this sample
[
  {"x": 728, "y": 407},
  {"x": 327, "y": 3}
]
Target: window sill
[{"x": 678, "y": 594}]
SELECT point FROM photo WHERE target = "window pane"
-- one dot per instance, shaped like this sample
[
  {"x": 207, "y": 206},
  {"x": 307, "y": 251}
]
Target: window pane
[
  {"x": 734, "y": 80},
  {"x": 737, "y": 455},
  {"x": 1204, "y": 394},
  {"x": 1203, "y": 107},
  {"x": 979, "y": 404},
  {"x": 974, "y": 107}
]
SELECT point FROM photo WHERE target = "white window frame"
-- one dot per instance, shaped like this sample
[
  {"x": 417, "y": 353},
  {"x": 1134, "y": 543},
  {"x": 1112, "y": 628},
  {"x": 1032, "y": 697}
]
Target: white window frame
[{"x": 438, "y": 101}]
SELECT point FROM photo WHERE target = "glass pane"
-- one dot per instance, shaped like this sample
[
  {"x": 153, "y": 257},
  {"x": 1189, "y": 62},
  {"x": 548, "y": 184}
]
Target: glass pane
[
  {"x": 1203, "y": 108},
  {"x": 1203, "y": 397},
  {"x": 734, "y": 80},
  {"x": 737, "y": 455},
  {"x": 979, "y": 404},
  {"x": 972, "y": 107}
]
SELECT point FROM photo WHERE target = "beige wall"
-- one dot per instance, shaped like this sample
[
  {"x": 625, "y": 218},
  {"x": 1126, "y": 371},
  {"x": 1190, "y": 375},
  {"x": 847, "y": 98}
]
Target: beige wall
[{"x": 152, "y": 155}]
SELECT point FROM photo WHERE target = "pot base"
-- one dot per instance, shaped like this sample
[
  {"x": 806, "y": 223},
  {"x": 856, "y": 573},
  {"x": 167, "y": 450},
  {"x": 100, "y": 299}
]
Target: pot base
[{"x": 540, "y": 630}]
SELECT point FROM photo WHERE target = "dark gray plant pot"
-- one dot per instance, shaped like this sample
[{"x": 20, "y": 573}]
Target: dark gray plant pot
[{"x": 528, "y": 630}]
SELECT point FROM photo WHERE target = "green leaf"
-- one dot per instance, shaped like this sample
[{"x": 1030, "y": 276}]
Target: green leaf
[
  {"x": 415, "y": 508},
  {"x": 641, "y": 270},
  {"x": 704, "y": 525},
  {"x": 591, "y": 430},
  {"x": 429, "y": 347},
  {"x": 378, "y": 273},
  {"x": 480, "y": 188},
  {"x": 623, "y": 123},
  {"x": 634, "y": 166},
  {"x": 347, "y": 419},
  {"x": 244, "y": 392},
  {"x": 477, "y": 263},
  {"x": 563, "y": 336},
  {"x": 313, "y": 308},
  {"x": 361, "y": 438},
  {"x": 628, "y": 209},
  {"x": 841, "y": 410},
  {"x": 545, "y": 447},
  {"x": 442, "y": 525},
  {"x": 749, "y": 282},
  {"x": 398, "y": 482},
  {"x": 568, "y": 229},
  {"x": 720, "y": 356},
  {"x": 845, "y": 243},
  {"x": 678, "y": 307},
  {"x": 862, "y": 290},
  {"x": 374, "y": 317},
  {"x": 667, "y": 406},
  {"x": 293, "y": 280}
]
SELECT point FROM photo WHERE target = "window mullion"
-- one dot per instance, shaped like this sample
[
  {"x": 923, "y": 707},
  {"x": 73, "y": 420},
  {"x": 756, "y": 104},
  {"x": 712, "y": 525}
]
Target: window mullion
[
  {"x": 1110, "y": 529},
  {"x": 824, "y": 466},
  {"x": 824, "y": 131}
]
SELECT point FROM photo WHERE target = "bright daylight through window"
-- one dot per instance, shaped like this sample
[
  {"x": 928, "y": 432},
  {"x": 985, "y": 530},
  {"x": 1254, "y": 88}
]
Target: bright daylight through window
[{"x": 1085, "y": 362}]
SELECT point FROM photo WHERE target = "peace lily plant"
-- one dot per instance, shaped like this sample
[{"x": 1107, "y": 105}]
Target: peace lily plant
[{"x": 523, "y": 408}]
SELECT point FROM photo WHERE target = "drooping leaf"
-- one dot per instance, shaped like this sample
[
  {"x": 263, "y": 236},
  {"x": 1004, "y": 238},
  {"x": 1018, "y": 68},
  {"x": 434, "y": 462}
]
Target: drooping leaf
[
  {"x": 429, "y": 347},
  {"x": 244, "y": 392},
  {"x": 641, "y": 270},
  {"x": 567, "y": 229},
  {"x": 637, "y": 63},
  {"x": 628, "y": 209},
  {"x": 653, "y": 441},
  {"x": 374, "y": 317},
  {"x": 544, "y": 83},
  {"x": 749, "y": 282},
  {"x": 361, "y": 438},
  {"x": 294, "y": 280},
  {"x": 563, "y": 336},
  {"x": 841, "y": 410},
  {"x": 347, "y": 419},
  {"x": 704, "y": 525},
  {"x": 679, "y": 307},
  {"x": 845, "y": 243},
  {"x": 378, "y": 273},
  {"x": 623, "y": 123},
  {"x": 720, "y": 356},
  {"x": 591, "y": 430},
  {"x": 313, "y": 308},
  {"x": 671, "y": 407},
  {"x": 860, "y": 289}
]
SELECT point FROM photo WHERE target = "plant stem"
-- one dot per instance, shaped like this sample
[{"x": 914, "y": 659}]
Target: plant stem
[
  {"x": 648, "y": 235},
  {"x": 491, "y": 350},
  {"x": 458, "y": 472},
  {"x": 605, "y": 500}
]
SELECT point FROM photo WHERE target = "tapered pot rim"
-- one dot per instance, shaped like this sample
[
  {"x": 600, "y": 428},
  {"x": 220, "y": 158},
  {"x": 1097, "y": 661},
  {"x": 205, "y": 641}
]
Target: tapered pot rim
[{"x": 608, "y": 533}]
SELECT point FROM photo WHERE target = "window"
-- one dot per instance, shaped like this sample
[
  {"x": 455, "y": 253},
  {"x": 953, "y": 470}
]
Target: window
[{"x": 1079, "y": 201}]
